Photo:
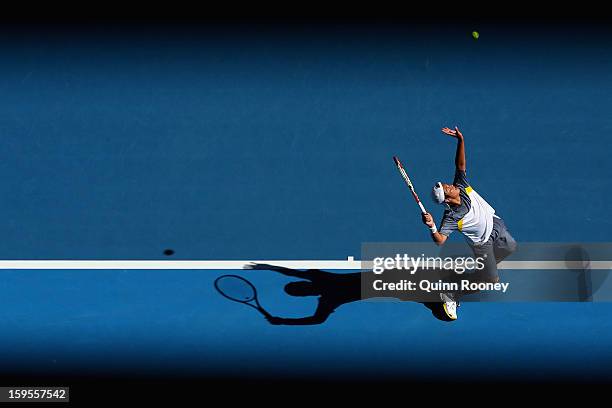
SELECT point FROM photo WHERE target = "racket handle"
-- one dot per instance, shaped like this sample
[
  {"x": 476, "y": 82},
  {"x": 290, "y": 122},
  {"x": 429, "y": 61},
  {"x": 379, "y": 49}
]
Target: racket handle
[{"x": 422, "y": 208}]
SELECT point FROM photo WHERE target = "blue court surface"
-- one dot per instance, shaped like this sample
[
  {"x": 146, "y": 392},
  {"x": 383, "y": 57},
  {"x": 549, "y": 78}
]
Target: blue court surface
[{"x": 232, "y": 143}]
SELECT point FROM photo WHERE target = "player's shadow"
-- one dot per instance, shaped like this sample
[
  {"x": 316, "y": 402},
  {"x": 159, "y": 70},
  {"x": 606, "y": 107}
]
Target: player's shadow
[
  {"x": 333, "y": 290},
  {"x": 589, "y": 281}
]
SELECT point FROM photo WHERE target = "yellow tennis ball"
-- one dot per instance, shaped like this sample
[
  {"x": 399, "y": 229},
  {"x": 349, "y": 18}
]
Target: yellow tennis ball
[{"x": 475, "y": 34}]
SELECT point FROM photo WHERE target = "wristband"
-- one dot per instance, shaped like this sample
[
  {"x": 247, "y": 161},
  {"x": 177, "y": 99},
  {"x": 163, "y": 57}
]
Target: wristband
[{"x": 433, "y": 229}]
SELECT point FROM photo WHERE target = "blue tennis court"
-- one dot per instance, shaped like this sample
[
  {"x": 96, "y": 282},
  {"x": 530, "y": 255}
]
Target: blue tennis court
[{"x": 273, "y": 142}]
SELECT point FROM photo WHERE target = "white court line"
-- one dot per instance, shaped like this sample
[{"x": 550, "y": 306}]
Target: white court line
[{"x": 349, "y": 263}]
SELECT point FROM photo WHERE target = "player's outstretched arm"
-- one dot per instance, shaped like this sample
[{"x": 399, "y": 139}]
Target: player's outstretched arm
[
  {"x": 460, "y": 154},
  {"x": 309, "y": 274}
]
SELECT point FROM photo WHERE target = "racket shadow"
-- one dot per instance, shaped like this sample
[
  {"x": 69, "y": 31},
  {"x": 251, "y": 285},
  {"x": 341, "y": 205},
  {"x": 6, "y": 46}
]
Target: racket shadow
[{"x": 240, "y": 290}]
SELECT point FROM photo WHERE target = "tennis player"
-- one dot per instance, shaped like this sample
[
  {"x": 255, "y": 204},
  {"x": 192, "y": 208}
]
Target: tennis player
[{"x": 469, "y": 213}]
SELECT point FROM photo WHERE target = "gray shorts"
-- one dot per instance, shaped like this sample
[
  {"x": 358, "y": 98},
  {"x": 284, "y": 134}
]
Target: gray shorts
[{"x": 499, "y": 245}]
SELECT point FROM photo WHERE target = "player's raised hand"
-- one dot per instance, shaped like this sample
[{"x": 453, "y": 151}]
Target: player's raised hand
[{"x": 454, "y": 133}]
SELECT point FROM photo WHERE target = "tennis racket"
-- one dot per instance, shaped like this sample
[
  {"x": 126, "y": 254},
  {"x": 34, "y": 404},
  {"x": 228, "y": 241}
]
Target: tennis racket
[
  {"x": 398, "y": 163},
  {"x": 240, "y": 290}
]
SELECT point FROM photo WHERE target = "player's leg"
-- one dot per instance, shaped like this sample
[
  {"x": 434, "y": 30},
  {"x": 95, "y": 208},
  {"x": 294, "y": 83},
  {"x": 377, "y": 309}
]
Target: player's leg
[
  {"x": 489, "y": 271},
  {"x": 504, "y": 244},
  {"x": 450, "y": 301}
]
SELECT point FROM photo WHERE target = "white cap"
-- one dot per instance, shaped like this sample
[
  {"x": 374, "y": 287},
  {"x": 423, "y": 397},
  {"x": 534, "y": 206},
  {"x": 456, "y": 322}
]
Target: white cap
[{"x": 437, "y": 193}]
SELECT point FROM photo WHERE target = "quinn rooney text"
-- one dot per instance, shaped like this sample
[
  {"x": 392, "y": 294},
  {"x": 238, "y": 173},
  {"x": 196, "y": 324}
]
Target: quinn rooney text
[{"x": 428, "y": 286}]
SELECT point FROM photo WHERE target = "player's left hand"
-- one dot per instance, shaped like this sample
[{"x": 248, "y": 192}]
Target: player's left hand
[{"x": 454, "y": 133}]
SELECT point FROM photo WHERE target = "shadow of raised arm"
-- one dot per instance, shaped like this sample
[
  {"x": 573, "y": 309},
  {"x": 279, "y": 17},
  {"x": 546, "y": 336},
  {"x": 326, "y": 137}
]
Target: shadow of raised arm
[{"x": 285, "y": 271}]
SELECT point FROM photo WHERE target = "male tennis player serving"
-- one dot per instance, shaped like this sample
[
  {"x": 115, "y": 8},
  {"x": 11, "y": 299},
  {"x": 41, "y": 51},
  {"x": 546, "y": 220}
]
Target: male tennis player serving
[{"x": 469, "y": 213}]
